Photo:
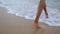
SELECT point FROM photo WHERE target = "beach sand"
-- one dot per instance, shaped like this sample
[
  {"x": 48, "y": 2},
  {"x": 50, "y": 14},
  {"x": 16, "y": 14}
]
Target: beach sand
[{"x": 12, "y": 24}]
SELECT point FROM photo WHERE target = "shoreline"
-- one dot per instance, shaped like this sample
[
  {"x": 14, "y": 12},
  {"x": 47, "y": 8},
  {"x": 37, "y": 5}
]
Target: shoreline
[
  {"x": 12, "y": 24},
  {"x": 33, "y": 17}
]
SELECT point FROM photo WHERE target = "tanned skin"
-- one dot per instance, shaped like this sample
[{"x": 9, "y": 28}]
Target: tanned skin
[{"x": 41, "y": 6}]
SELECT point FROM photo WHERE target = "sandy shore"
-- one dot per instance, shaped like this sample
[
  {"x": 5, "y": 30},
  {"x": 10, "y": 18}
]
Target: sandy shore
[{"x": 12, "y": 24}]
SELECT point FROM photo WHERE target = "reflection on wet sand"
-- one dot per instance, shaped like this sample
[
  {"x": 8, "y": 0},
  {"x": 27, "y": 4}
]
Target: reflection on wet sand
[
  {"x": 43, "y": 31},
  {"x": 39, "y": 31},
  {"x": 35, "y": 31}
]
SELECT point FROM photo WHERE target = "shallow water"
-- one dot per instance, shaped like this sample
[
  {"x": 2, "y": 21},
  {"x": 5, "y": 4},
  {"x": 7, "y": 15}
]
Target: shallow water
[{"x": 28, "y": 9}]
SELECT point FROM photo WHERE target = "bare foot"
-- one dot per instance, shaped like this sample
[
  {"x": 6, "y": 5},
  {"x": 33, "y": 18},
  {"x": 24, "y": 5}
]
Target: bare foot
[
  {"x": 36, "y": 25},
  {"x": 47, "y": 16}
]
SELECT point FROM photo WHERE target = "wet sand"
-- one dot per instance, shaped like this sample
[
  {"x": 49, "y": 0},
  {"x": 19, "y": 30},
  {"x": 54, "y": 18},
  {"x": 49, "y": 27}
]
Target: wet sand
[{"x": 12, "y": 24}]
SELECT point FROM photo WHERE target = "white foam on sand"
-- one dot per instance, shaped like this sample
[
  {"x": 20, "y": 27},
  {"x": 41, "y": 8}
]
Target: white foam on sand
[{"x": 28, "y": 10}]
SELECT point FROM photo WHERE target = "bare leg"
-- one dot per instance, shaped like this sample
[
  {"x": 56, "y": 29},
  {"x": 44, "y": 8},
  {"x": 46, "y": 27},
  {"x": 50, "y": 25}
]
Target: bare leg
[
  {"x": 45, "y": 10},
  {"x": 40, "y": 7}
]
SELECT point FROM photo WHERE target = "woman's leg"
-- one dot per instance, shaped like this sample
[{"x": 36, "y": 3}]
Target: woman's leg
[
  {"x": 45, "y": 10},
  {"x": 40, "y": 7},
  {"x": 38, "y": 14}
]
